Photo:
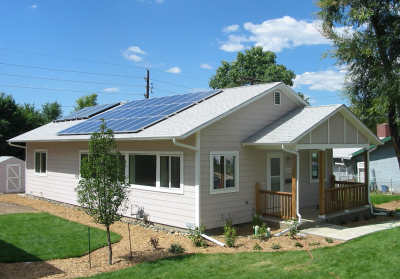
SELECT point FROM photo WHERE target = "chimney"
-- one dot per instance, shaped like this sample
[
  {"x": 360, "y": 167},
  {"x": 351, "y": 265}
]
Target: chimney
[{"x": 382, "y": 130}]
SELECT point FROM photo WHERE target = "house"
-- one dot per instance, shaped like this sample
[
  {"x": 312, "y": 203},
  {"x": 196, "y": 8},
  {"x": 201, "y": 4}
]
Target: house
[
  {"x": 12, "y": 175},
  {"x": 383, "y": 164},
  {"x": 231, "y": 151}
]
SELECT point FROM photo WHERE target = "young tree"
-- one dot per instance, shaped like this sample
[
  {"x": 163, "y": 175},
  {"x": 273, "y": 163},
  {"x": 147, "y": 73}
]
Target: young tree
[
  {"x": 366, "y": 38},
  {"x": 252, "y": 67},
  {"x": 102, "y": 189},
  {"x": 86, "y": 101}
]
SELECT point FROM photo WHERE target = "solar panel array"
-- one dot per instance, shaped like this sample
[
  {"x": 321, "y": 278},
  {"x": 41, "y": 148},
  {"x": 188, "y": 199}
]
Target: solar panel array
[
  {"x": 137, "y": 115},
  {"x": 86, "y": 112}
]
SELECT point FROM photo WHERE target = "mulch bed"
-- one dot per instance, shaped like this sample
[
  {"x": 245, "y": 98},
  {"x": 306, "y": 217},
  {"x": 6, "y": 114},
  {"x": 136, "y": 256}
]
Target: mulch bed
[{"x": 142, "y": 251}]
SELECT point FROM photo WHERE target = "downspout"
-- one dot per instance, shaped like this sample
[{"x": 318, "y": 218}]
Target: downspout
[
  {"x": 197, "y": 174},
  {"x": 297, "y": 189}
]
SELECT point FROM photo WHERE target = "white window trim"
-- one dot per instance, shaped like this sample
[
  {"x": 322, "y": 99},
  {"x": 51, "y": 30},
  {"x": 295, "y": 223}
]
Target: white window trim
[
  {"x": 34, "y": 162},
  {"x": 236, "y": 179},
  {"x": 280, "y": 98},
  {"x": 157, "y": 188},
  {"x": 326, "y": 166},
  {"x": 275, "y": 155}
]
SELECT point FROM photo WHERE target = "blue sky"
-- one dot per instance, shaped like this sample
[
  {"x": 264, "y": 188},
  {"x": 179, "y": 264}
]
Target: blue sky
[{"x": 55, "y": 50}]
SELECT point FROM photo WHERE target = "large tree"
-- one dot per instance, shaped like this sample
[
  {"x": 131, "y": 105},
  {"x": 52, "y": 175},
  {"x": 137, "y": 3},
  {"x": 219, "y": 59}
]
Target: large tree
[
  {"x": 102, "y": 189},
  {"x": 252, "y": 67},
  {"x": 86, "y": 101},
  {"x": 51, "y": 111},
  {"x": 366, "y": 38}
]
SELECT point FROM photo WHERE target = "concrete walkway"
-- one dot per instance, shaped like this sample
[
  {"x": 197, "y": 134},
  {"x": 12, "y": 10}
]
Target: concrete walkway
[
  {"x": 8, "y": 208},
  {"x": 343, "y": 233}
]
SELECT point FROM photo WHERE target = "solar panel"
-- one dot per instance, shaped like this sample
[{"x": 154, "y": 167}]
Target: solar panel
[
  {"x": 137, "y": 115},
  {"x": 86, "y": 112}
]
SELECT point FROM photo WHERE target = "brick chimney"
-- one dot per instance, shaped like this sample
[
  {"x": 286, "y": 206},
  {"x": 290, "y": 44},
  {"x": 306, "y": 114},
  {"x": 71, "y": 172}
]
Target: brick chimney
[{"x": 382, "y": 130}]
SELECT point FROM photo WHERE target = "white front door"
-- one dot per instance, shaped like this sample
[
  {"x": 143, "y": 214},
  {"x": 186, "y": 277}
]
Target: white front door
[
  {"x": 13, "y": 178},
  {"x": 274, "y": 172}
]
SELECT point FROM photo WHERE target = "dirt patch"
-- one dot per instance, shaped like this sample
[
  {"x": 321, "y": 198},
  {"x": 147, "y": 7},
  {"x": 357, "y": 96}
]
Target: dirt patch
[
  {"x": 141, "y": 249},
  {"x": 8, "y": 208}
]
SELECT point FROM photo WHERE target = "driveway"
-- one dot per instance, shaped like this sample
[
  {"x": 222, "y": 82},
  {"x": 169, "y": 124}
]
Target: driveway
[{"x": 7, "y": 208}]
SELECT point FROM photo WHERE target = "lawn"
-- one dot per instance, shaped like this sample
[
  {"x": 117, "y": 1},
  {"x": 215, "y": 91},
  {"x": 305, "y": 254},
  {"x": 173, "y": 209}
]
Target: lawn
[
  {"x": 379, "y": 199},
  {"x": 371, "y": 256},
  {"x": 28, "y": 237}
]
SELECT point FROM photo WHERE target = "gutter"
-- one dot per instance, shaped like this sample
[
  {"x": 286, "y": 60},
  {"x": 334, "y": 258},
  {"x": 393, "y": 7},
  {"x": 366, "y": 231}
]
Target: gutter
[
  {"x": 297, "y": 189},
  {"x": 16, "y": 145}
]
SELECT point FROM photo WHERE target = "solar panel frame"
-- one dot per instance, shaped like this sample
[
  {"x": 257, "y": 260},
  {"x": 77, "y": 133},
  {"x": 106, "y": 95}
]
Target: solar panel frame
[{"x": 137, "y": 115}]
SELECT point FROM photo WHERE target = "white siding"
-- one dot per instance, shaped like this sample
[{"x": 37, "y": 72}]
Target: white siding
[
  {"x": 227, "y": 135},
  {"x": 3, "y": 173},
  {"x": 63, "y": 166}
]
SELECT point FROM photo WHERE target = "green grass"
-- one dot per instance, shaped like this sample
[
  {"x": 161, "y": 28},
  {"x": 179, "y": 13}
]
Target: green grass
[
  {"x": 371, "y": 256},
  {"x": 28, "y": 237},
  {"x": 379, "y": 199}
]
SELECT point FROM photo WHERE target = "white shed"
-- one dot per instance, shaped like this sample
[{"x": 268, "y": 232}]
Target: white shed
[{"x": 12, "y": 175}]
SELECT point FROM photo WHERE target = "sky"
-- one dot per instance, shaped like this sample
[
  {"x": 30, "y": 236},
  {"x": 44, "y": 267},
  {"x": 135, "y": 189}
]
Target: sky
[{"x": 61, "y": 50}]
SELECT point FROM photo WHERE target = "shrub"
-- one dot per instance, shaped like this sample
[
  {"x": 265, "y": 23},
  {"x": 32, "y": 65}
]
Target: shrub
[
  {"x": 176, "y": 248},
  {"x": 257, "y": 218},
  {"x": 275, "y": 246},
  {"x": 196, "y": 238},
  {"x": 257, "y": 247},
  {"x": 229, "y": 231},
  {"x": 154, "y": 242},
  {"x": 298, "y": 244},
  {"x": 329, "y": 240},
  {"x": 314, "y": 243},
  {"x": 262, "y": 232}
]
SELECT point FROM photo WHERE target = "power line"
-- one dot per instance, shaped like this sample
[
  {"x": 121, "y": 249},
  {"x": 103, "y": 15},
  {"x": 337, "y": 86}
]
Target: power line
[
  {"x": 66, "y": 90},
  {"x": 69, "y": 71},
  {"x": 68, "y": 80}
]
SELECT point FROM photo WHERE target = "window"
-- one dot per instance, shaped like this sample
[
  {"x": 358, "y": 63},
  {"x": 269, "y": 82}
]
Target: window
[
  {"x": 83, "y": 155},
  {"x": 224, "y": 172},
  {"x": 161, "y": 171},
  {"x": 277, "y": 98},
  {"x": 314, "y": 159},
  {"x": 40, "y": 162}
]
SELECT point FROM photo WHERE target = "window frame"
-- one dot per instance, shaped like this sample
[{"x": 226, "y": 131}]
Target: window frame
[
  {"x": 236, "y": 174},
  {"x": 313, "y": 180},
  {"x": 158, "y": 187},
  {"x": 41, "y": 151}
]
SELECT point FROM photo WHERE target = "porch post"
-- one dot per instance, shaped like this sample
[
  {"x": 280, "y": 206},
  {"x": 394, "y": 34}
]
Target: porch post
[
  {"x": 294, "y": 184},
  {"x": 321, "y": 172}
]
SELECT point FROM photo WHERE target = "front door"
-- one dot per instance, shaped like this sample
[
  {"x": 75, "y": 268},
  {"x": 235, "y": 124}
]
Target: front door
[
  {"x": 13, "y": 178},
  {"x": 274, "y": 172}
]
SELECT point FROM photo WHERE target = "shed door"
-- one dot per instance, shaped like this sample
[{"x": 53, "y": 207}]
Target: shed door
[
  {"x": 13, "y": 178},
  {"x": 274, "y": 172}
]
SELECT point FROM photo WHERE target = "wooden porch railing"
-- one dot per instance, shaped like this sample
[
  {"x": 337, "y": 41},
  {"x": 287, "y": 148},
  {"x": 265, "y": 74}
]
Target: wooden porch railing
[
  {"x": 275, "y": 204},
  {"x": 345, "y": 195}
]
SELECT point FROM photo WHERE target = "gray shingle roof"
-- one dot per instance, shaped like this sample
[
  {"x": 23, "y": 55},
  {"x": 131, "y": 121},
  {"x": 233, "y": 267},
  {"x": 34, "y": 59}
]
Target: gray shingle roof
[
  {"x": 180, "y": 125},
  {"x": 292, "y": 126}
]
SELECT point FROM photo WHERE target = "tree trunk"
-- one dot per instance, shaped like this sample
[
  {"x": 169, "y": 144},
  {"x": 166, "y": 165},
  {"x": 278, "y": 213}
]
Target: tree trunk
[
  {"x": 394, "y": 131},
  {"x": 109, "y": 245}
]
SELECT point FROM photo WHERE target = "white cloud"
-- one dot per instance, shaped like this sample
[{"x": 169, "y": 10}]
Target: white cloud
[
  {"x": 33, "y": 7},
  {"x": 231, "y": 28},
  {"x": 174, "y": 70},
  {"x": 131, "y": 53},
  {"x": 277, "y": 34},
  {"x": 206, "y": 66},
  {"x": 111, "y": 89},
  {"x": 324, "y": 80}
]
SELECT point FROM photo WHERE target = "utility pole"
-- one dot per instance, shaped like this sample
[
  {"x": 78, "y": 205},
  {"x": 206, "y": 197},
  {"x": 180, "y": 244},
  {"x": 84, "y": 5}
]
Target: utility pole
[{"x": 147, "y": 85}]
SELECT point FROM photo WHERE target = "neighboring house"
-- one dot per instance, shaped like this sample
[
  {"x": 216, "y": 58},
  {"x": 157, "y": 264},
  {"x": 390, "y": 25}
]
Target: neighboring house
[
  {"x": 383, "y": 164},
  {"x": 203, "y": 154},
  {"x": 12, "y": 175}
]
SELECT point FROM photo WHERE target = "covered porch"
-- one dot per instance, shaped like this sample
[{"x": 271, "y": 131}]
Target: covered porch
[{"x": 310, "y": 136}]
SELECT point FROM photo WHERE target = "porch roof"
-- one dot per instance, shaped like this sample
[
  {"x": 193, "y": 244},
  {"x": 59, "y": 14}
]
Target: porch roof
[{"x": 290, "y": 128}]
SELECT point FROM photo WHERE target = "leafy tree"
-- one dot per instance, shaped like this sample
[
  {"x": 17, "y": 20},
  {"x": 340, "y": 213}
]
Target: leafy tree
[
  {"x": 307, "y": 99},
  {"x": 32, "y": 117},
  {"x": 86, "y": 101},
  {"x": 102, "y": 190},
  {"x": 252, "y": 67},
  {"x": 369, "y": 46},
  {"x": 51, "y": 111}
]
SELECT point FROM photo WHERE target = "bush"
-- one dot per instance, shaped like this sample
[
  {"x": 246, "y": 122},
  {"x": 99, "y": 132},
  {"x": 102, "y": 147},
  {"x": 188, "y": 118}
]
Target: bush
[
  {"x": 176, "y": 248},
  {"x": 298, "y": 244},
  {"x": 275, "y": 246},
  {"x": 329, "y": 240},
  {"x": 257, "y": 247},
  {"x": 229, "y": 231},
  {"x": 154, "y": 242},
  {"x": 196, "y": 238},
  {"x": 262, "y": 232}
]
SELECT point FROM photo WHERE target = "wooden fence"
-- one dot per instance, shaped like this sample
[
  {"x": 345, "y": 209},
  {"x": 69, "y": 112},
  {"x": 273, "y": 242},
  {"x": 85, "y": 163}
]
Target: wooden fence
[{"x": 275, "y": 204}]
